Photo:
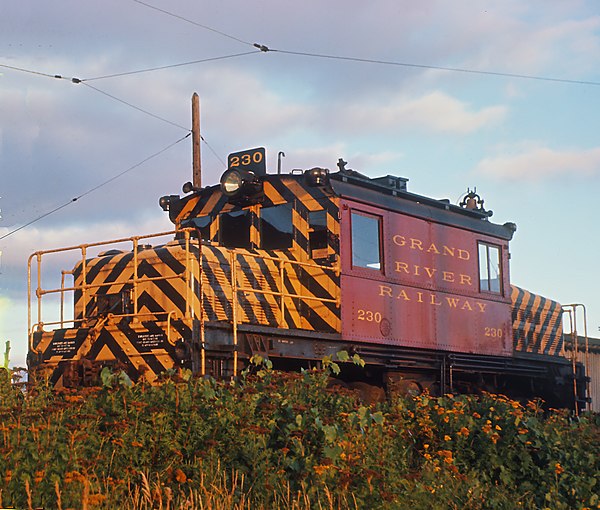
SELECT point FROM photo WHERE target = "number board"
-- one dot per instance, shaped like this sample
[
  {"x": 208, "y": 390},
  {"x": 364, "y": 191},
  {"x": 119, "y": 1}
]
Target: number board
[{"x": 250, "y": 159}]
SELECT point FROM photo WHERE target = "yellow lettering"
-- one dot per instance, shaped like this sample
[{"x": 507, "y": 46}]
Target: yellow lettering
[
  {"x": 465, "y": 279},
  {"x": 463, "y": 254},
  {"x": 402, "y": 294},
  {"x": 452, "y": 301},
  {"x": 401, "y": 267},
  {"x": 433, "y": 249},
  {"x": 448, "y": 276},
  {"x": 430, "y": 271},
  {"x": 482, "y": 306},
  {"x": 467, "y": 306},
  {"x": 399, "y": 240},
  {"x": 420, "y": 297},
  {"x": 416, "y": 244},
  {"x": 434, "y": 300},
  {"x": 448, "y": 251},
  {"x": 384, "y": 290}
]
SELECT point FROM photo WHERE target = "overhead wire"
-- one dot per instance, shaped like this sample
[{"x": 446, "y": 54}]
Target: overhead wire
[
  {"x": 206, "y": 27},
  {"x": 266, "y": 49},
  {"x": 170, "y": 66},
  {"x": 135, "y": 107},
  {"x": 111, "y": 96},
  {"x": 91, "y": 190},
  {"x": 426, "y": 66}
]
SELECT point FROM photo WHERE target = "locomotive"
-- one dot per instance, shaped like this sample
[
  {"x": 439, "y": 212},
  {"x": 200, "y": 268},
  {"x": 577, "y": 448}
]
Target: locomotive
[{"x": 294, "y": 267}]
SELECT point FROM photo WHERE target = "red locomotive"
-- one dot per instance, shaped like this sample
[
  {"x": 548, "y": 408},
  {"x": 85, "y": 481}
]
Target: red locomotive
[{"x": 294, "y": 267}]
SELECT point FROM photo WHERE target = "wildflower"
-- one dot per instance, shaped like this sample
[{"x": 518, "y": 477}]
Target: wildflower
[
  {"x": 464, "y": 431},
  {"x": 498, "y": 427},
  {"x": 476, "y": 415},
  {"x": 447, "y": 455},
  {"x": 523, "y": 431},
  {"x": 321, "y": 468},
  {"x": 558, "y": 469},
  {"x": 447, "y": 438},
  {"x": 180, "y": 476}
]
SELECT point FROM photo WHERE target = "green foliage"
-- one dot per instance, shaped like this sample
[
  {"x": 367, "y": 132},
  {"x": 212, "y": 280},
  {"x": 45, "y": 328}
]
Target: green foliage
[{"x": 275, "y": 440}]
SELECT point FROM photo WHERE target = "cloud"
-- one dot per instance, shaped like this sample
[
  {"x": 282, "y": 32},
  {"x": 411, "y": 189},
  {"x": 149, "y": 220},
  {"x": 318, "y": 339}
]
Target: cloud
[
  {"x": 435, "y": 112},
  {"x": 542, "y": 162}
]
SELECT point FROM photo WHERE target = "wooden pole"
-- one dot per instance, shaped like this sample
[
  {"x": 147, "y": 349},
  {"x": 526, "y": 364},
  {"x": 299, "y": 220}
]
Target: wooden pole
[{"x": 196, "y": 161}]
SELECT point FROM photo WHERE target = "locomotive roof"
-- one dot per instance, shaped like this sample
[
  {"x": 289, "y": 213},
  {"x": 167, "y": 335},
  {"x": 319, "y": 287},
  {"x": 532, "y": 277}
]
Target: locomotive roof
[
  {"x": 390, "y": 193},
  {"x": 387, "y": 192}
]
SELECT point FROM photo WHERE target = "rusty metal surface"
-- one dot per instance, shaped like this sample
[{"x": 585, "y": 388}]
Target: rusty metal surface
[{"x": 426, "y": 293}]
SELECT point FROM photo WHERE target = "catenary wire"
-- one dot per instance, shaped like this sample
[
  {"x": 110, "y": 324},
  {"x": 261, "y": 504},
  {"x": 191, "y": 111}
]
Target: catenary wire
[
  {"x": 77, "y": 81},
  {"x": 168, "y": 13},
  {"x": 135, "y": 107},
  {"x": 91, "y": 190},
  {"x": 170, "y": 66},
  {"x": 425, "y": 66},
  {"x": 265, "y": 48}
]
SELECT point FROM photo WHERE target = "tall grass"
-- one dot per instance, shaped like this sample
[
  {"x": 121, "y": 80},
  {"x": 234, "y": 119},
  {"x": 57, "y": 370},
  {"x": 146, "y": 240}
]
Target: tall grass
[{"x": 274, "y": 440}]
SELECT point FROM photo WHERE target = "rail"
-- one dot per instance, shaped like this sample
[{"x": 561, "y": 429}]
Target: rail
[
  {"x": 191, "y": 267},
  {"x": 571, "y": 312},
  {"x": 282, "y": 294},
  {"x": 85, "y": 288}
]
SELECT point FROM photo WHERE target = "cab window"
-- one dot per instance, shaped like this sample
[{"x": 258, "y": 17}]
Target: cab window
[
  {"x": 317, "y": 233},
  {"x": 235, "y": 229},
  {"x": 490, "y": 268},
  {"x": 276, "y": 229},
  {"x": 366, "y": 243}
]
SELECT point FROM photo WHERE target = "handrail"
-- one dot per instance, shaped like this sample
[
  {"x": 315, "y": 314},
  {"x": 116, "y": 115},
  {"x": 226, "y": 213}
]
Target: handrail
[
  {"x": 571, "y": 311},
  {"x": 85, "y": 288},
  {"x": 194, "y": 282}
]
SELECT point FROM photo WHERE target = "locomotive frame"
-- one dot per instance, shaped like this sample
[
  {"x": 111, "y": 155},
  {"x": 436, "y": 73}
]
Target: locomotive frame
[{"x": 294, "y": 267}]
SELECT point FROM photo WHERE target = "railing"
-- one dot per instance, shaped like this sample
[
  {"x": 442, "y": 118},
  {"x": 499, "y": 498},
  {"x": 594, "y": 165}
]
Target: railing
[
  {"x": 571, "y": 312},
  {"x": 191, "y": 269},
  {"x": 85, "y": 288},
  {"x": 281, "y": 294}
]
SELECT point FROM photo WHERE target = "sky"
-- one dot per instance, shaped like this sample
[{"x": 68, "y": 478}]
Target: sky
[{"x": 431, "y": 90}]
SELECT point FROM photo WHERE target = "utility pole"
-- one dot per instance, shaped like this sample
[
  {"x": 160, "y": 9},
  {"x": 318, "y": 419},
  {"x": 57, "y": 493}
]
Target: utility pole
[
  {"x": 6, "y": 353},
  {"x": 196, "y": 160}
]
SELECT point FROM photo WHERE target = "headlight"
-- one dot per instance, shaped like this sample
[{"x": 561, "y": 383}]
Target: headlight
[
  {"x": 239, "y": 184},
  {"x": 231, "y": 182}
]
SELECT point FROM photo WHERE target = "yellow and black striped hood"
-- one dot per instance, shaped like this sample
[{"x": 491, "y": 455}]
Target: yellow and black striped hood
[{"x": 537, "y": 323}]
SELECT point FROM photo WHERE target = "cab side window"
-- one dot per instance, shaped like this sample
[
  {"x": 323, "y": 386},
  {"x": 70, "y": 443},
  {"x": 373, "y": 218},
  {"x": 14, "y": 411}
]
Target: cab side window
[
  {"x": 490, "y": 268},
  {"x": 366, "y": 240}
]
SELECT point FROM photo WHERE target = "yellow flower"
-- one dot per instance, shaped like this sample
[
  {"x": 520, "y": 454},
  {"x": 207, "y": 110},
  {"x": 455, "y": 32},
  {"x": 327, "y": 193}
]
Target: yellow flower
[
  {"x": 447, "y": 438},
  {"x": 558, "y": 469}
]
